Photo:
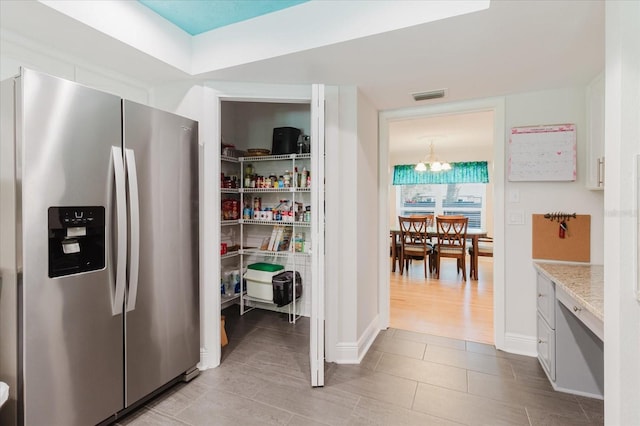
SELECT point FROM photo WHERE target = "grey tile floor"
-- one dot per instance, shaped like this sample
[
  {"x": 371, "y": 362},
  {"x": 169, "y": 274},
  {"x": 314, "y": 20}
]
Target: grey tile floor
[{"x": 405, "y": 379}]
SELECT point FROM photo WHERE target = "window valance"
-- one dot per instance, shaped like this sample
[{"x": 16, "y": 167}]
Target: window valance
[{"x": 464, "y": 172}]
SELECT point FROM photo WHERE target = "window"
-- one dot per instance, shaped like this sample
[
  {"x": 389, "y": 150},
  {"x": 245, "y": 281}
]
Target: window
[{"x": 466, "y": 199}]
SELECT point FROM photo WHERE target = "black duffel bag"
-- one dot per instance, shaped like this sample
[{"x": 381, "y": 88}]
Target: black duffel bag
[{"x": 283, "y": 287}]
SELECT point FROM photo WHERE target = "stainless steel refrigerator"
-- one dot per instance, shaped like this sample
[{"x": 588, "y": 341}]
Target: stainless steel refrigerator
[{"x": 99, "y": 304}]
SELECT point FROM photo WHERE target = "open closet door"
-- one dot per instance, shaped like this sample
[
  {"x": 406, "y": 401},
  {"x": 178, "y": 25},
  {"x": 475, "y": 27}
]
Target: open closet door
[{"x": 316, "y": 352}]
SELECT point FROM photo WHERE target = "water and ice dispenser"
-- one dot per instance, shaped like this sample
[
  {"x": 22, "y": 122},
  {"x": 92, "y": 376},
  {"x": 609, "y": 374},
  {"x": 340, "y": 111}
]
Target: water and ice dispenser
[{"x": 76, "y": 240}]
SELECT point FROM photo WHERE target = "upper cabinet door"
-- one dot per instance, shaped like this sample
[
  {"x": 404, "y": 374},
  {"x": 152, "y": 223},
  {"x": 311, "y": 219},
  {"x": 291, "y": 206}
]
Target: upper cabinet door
[{"x": 595, "y": 134}]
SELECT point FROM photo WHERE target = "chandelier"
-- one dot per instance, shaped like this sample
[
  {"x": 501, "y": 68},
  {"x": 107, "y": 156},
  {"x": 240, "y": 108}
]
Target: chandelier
[{"x": 435, "y": 165}]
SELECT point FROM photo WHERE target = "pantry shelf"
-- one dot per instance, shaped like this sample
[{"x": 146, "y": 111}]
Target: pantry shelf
[
  {"x": 227, "y": 300},
  {"x": 262, "y": 190},
  {"x": 229, "y": 222},
  {"x": 230, "y": 254},
  {"x": 229, "y": 159},
  {"x": 273, "y": 253},
  {"x": 276, "y": 157},
  {"x": 273, "y": 222}
]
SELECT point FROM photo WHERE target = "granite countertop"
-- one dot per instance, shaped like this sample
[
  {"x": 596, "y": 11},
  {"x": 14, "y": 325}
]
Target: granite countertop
[{"x": 585, "y": 283}]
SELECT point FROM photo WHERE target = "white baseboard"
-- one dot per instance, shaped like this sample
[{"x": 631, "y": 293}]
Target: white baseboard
[
  {"x": 353, "y": 352},
  {"x": 520, "y": 344}
]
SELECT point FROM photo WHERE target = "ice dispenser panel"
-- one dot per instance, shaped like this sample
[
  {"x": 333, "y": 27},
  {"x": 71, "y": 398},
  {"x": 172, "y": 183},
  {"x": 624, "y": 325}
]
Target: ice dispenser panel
[{"x": 76, "y": 240}]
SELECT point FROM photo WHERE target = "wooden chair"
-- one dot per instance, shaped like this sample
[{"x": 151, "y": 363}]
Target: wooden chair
[
  {"x": 394, "y": 251},
  {"x": 485, "y": 248},
  {"x": 452, "y": 240},
  {"x": 414, "y": 240}
]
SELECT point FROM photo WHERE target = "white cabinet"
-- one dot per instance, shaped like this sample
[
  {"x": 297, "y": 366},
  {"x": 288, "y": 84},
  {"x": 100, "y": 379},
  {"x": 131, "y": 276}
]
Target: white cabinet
[
  {"x": 595, "y": 134},
  {"x": 546, "y": 325},
  {"x": 546, "y": 346}
]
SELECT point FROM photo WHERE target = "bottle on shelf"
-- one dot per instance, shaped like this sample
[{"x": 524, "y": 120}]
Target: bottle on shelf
[
  {"x": 298, "y": 242},
  {"x": 246, "y": 211}
]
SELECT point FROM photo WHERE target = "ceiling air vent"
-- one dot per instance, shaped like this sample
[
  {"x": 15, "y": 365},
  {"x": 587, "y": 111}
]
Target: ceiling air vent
[{"x": 433, "y": 94}]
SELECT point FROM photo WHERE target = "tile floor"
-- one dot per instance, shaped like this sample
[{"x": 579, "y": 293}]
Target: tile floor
[{"x": 406, "y": 378}]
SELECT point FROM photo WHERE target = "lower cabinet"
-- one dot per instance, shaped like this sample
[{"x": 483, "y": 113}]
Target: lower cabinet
[
  {"x": 547, "y": 347},
  {"x": 569, "y": 352}
]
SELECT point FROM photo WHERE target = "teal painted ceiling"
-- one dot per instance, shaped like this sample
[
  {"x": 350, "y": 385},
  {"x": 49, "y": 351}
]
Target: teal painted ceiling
[{"x": 199, "y": 16}]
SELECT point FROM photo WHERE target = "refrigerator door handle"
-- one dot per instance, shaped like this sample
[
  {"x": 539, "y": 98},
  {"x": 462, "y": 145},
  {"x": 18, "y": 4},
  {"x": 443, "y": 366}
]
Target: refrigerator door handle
[
  {"x": 117, "y": 302},
  {"x": 134, "y": 230}
]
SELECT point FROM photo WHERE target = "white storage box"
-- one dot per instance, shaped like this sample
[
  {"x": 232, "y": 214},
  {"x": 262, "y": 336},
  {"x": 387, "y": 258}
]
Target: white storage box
[{"x": 259, "y": 284}]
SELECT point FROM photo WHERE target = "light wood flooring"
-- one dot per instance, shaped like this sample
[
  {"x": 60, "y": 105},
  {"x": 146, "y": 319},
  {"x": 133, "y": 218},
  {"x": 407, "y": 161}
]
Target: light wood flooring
[{"x": 449, "y": 306}]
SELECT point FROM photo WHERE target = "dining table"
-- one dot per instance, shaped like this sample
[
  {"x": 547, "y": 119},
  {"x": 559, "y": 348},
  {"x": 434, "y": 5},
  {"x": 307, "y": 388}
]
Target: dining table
[{"x": 472, "y": 234}]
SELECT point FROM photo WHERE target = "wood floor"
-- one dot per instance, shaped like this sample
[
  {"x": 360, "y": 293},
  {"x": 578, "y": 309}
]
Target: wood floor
[{"x": 449, "y": 306}]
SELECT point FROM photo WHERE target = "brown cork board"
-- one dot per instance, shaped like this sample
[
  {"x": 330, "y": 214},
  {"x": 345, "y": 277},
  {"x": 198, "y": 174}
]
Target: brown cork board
[{"x": 574, "y": 247}]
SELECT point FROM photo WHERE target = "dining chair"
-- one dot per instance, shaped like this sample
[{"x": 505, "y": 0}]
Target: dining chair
[
  {"x": 485, "y": 248},
  {"x": 414, "y": 241},
  {"x": 394, "y": 250},
  {"x": 452, "y": 240}
]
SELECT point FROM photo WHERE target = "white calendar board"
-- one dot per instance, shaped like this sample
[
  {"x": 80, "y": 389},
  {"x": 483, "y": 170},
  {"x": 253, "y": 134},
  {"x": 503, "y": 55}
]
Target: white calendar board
[{"x": 543, "y": 153}]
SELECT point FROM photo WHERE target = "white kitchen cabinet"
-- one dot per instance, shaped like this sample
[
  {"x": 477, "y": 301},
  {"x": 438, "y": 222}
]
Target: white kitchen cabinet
[
  {"x": 595, "y": 134},
  {"x": 546, "y": 347},
  {"x": 546, "y": 325}
]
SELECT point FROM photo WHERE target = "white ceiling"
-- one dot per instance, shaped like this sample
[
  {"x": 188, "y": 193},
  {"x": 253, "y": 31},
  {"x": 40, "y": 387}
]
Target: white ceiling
[
  {"x": 514, "y": 46},
  {"x": 451, "y": 135}
]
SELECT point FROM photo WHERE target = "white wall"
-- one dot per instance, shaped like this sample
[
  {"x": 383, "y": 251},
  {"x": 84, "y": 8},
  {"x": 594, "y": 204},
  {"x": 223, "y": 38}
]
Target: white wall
[
  {"x": 255, "y": 128},
  {"x": 367, "y": 219},
  {"x": 546, "y": 107},
  {"x": 468, "y": 153},
  {"x": 351, "y": 203},
  {"x": 622, "y": 238},
  {"x": 16, "y": 54}
]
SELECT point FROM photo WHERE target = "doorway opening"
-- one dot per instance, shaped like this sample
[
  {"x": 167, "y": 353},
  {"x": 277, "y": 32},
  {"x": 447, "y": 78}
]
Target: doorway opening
[{"x": 447, "y": 306}]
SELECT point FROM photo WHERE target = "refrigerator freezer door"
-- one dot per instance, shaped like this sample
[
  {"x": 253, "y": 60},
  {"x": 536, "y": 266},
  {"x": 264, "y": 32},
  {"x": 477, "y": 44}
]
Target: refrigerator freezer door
[
  {"x": 162, "y": 332},
  {"x": 65, "y": 133}
]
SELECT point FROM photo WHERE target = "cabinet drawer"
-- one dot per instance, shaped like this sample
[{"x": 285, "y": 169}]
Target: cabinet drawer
[
  {"x": 592, "y": 322},
  {"x": 546, "y": 300},
  {"x": 546, "y": 346}
]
